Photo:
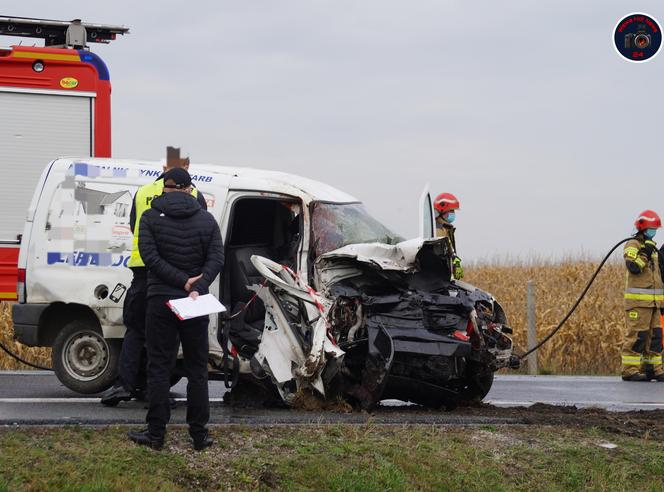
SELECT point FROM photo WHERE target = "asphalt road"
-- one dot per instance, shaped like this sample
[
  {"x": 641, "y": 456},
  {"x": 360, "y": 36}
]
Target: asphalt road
[{"x": 35, "y": 397}]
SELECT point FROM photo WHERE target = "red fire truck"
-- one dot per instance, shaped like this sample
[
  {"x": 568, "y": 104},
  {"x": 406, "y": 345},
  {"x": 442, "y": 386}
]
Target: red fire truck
[{"x": 55, "y": 100}]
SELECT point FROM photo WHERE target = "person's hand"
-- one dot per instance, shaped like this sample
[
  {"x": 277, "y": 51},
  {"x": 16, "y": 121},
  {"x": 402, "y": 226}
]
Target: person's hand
[
  {"x": 191, "y": 282},
  {"x": 457, "y": 269},
  {"x": 649, "y": 248},
  {"x": 193, "y": 294}
]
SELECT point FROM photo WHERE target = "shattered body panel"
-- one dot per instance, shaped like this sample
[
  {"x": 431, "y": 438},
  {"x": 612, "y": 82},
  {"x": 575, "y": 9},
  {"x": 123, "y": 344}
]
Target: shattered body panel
[{"x": 394, "y": 323}]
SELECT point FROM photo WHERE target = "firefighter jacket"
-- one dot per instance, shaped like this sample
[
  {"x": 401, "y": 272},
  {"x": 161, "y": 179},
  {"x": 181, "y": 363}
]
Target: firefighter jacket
[
  {"x": 644, "y": 287},
  {"x": 445, "y": 229},
  {"x": 143, "y": 202}
]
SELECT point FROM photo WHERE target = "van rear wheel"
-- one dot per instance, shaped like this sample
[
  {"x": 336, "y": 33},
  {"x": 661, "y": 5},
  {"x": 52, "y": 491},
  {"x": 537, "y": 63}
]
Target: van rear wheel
[{"x": 83, "y": 360}]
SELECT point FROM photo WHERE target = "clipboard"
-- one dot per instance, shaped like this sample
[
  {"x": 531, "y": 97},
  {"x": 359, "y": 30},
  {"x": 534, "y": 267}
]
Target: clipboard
[{"x": 187, "y": 308}]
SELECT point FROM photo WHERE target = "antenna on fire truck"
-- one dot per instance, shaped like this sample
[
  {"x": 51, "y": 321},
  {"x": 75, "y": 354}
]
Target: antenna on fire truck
[{"x": 60, "y": 34}]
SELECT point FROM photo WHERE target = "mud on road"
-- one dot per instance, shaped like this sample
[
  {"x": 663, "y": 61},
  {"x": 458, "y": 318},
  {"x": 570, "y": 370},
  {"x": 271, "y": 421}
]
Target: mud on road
[{"x": 641, "y": 423}]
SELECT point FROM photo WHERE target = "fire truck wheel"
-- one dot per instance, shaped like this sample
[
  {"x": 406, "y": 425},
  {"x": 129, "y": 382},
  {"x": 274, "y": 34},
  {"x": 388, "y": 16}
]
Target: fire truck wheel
[{"x": 83, "y": 360}]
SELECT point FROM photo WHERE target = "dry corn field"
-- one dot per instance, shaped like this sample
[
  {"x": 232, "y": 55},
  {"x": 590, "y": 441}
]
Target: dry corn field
[
  {"x": 41, "y": 356},
  {"x": 590, "y": 341},
  {"x": 588, "y": 344}
]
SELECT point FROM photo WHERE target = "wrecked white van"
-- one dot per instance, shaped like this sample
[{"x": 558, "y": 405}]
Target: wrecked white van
[{"x": 323, "y": 296}]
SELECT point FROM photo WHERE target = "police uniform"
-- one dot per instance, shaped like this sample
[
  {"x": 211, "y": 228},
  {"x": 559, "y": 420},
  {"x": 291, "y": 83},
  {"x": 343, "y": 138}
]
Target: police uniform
[{"x": 644, "y": 292}]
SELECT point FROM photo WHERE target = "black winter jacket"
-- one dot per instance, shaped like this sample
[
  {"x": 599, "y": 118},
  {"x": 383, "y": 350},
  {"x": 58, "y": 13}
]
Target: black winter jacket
[{"x": 177, "y": 240}]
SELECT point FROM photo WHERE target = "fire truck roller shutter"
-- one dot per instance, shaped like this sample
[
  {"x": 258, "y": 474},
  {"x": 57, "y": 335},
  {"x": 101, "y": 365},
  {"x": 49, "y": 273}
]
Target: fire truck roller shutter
[{"x": 35, "y": 128}]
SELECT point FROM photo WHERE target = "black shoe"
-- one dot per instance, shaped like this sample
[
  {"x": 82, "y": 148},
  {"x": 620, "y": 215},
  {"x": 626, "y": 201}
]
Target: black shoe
[
  {"x": 144, "y": 438},
  {"x": 636, "y": 377},
  {"x": 203, "y": 443},
  {"x": 114, "y": 395},
  {"x": 659, "y": 379}
]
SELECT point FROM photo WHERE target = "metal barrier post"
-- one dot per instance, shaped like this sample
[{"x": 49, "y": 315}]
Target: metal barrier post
[{"x": 532, "y": 328}]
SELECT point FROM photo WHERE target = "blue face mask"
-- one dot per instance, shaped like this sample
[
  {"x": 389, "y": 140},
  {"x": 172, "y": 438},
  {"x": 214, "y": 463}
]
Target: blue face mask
[
  {"x": 450, "y": 217},
  {"x": 650, "y": 233}
]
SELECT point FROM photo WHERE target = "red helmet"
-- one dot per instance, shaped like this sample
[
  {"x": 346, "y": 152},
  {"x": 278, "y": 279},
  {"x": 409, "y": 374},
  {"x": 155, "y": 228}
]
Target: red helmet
[
  {"x": 647, "y": 220},
  {"x": 446, "y": 202}
]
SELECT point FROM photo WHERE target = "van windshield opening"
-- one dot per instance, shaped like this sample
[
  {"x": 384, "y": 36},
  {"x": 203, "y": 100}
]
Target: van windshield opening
[{"x": 335, "y": 225}]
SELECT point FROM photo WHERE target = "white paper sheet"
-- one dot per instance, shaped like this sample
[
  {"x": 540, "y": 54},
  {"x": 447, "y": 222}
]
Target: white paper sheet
[{"x": 187, "y": 308}]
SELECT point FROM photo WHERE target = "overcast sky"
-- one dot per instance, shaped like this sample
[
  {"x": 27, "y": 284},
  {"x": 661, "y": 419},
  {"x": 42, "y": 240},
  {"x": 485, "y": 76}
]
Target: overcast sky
[{"x": 523, "y": 109}]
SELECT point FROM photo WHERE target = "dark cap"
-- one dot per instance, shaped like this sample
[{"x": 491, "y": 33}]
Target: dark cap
[{"x": 179, "y": 176}]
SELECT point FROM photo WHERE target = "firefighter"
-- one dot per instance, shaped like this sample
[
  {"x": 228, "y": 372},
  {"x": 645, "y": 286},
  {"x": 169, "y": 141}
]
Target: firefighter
[
  {"x": 446, "y": 205},
  {"x": 644, "y": 292},
  {"x": 132, "y": 367}
]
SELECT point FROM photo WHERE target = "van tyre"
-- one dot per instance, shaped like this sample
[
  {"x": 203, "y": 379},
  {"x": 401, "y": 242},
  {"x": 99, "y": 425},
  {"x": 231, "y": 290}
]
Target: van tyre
[{"x": 83, "y": 360}]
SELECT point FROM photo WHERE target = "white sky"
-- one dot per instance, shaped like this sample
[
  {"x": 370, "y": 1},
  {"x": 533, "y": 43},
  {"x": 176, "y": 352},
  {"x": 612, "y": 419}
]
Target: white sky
[{"x": 523, "y": 109}]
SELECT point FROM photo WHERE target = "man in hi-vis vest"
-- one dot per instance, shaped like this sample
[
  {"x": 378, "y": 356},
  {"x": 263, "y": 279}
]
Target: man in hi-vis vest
[
  {"x": 132, "y": 372},
  {"x": 644, "y": 292}
]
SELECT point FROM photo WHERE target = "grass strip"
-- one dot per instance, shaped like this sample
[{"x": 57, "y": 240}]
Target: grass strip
[{"x": 368, "y": 458}]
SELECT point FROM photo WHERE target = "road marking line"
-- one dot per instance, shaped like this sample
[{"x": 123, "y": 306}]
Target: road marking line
[
  {"x": 566, "y": 403},
  {"x": 510, "y": 403},
  {"x": 74, "y": 400},
  {"x": 26, "y": 373}
]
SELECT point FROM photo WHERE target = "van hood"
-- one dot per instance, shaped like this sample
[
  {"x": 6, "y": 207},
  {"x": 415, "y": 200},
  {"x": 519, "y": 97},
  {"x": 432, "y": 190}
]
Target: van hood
[
  {"x": 176, "y": 204},
  {"x": 431, "y": 256}
]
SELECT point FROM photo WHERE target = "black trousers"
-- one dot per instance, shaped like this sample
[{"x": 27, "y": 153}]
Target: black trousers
[
  {"x": 132, "y": 371},
  {"x": 163, "y": 330}
]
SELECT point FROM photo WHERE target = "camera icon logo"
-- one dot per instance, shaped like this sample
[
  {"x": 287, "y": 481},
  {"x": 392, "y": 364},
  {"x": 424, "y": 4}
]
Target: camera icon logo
[{"x": 637, "y": 37}]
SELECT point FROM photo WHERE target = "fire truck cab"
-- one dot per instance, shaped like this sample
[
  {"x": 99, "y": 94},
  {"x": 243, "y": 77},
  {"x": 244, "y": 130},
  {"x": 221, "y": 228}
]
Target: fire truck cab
[{"x": 55, "y": 100}]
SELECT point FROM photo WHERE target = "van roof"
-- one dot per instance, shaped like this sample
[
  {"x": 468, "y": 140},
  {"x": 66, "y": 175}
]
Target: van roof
[{"x": 250, "y": 178}]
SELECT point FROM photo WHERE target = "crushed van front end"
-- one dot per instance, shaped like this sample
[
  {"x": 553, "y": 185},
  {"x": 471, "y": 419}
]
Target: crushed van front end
[
  {"x": 422, "y": 337},
  {"x": 385, "y": 323}
]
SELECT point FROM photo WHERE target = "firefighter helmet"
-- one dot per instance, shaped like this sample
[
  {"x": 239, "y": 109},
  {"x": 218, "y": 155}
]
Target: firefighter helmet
[
  {"x": 648, "y": 219},
  {"x": 446, "y": 202}
]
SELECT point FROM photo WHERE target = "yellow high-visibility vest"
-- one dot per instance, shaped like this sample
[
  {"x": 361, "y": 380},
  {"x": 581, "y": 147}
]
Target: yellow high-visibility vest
[{"x": 143, "y": 200}]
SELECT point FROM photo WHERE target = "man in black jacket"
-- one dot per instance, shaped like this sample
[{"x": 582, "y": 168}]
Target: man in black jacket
[
  {"x": 132, "y": 367},
  {"x": 182, "y": 249}
]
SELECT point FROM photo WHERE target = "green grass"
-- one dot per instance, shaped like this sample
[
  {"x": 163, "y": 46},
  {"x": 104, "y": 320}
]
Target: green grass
[{"x": 340, "y": 458}]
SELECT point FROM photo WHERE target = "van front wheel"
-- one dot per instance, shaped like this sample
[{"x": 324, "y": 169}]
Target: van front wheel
[{"x": 83, "y": 360}]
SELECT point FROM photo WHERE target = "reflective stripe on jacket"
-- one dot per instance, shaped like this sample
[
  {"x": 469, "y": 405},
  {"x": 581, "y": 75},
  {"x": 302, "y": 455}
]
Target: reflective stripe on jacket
[
  {"x": 143, "y": 202},
  {"x": 643, "y": 289}
]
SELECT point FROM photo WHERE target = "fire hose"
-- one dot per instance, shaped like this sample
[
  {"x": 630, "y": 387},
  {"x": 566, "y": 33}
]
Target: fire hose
[
  {"x": 578, "y": 301},
  {"x": 21, "y": 360}
]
